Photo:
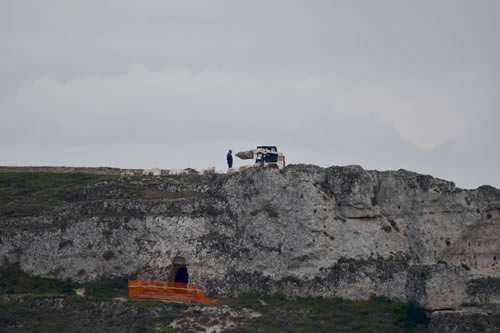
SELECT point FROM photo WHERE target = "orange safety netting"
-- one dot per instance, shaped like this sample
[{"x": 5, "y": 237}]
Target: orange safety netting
[{"x": 173, "y": 291}]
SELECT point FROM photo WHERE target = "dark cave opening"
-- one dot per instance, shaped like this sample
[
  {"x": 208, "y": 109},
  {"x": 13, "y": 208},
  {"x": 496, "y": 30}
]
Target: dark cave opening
[{"x": 179, "y": 272}]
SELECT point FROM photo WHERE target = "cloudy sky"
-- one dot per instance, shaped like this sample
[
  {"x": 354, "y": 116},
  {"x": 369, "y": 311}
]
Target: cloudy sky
[{"x": 385, "y": 84}]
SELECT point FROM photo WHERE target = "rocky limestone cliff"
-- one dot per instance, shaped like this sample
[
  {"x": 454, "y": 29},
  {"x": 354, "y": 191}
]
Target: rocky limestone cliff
[{"x": 305, "y": 231}]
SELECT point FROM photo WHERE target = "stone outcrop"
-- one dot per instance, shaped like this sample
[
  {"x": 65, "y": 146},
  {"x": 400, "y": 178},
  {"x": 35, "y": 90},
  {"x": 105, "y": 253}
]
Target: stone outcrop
[{"x": 305, "y": 230}]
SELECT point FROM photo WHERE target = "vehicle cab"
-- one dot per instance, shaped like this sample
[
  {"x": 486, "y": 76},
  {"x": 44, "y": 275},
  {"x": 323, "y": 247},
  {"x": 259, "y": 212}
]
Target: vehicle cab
[{"x": 268, "y": 156}]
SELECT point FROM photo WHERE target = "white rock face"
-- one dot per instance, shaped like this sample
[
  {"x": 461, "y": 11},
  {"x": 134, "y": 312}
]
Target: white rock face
[
  {"x": 175, "y": 171},
  {"x": 207, "y": 171},
  {"x": 126, "y": 174},
  {"x": 305, "y": 231}
]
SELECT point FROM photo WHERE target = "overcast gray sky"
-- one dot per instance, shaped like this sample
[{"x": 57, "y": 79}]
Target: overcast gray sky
[{"x": 386, "y": 84}]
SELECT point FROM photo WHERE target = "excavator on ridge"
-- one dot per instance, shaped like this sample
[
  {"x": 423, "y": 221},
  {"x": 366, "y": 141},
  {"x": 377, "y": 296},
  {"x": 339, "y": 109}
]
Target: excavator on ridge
[{"x": 265, "y": 156}]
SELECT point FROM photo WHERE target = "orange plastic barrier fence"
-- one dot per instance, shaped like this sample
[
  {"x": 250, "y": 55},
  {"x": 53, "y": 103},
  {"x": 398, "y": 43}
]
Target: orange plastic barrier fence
[{"x": 173, "y": 291}]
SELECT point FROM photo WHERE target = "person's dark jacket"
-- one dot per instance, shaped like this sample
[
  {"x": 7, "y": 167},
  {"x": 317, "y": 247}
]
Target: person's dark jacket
[{"x": 229, "y": 158}]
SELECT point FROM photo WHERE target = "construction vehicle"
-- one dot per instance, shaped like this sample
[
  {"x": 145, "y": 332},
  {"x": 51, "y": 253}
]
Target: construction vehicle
[{"x": 265, "y": 156}]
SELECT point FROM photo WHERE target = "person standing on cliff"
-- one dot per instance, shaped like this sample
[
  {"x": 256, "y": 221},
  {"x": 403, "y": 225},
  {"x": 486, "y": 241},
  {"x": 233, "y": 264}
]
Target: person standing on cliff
[{"x": 229, "y": 158}]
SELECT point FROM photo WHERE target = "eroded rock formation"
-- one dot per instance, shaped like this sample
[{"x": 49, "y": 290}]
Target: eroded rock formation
[{"x": 305, "y": 230}]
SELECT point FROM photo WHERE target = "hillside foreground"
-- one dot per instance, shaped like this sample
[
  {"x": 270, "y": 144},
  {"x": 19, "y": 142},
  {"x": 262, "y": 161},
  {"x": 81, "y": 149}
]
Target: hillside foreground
[{"x": 297, "y": 249}]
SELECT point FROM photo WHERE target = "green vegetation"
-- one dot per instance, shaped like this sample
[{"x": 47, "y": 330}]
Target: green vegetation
[
  {"x": 37, "y": 193},
  {"x": 106, "y": 289},
  {"x": 32, "y": 320},
  {"x": 78, "y": 314},
  {"x": 49, "y": 305},
  {"x": 414, "y": 315},
  {"x": 34, "y": 304},
  {"x": 15, "y": 281},
  {"x": 151, "y": 302},
  {"x": 280, "y": 314}
]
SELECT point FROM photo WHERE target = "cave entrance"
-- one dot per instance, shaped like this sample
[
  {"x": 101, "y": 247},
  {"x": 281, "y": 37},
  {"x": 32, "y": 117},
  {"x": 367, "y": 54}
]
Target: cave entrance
[{"x": 179, "y": 272}]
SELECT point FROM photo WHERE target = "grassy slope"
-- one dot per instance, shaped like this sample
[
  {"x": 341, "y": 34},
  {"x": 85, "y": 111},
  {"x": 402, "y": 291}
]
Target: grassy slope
[
  {"x": 15, "y": 281},
  {"x": 279, "y": 314},
  {"x": 38, "y": 193}
]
